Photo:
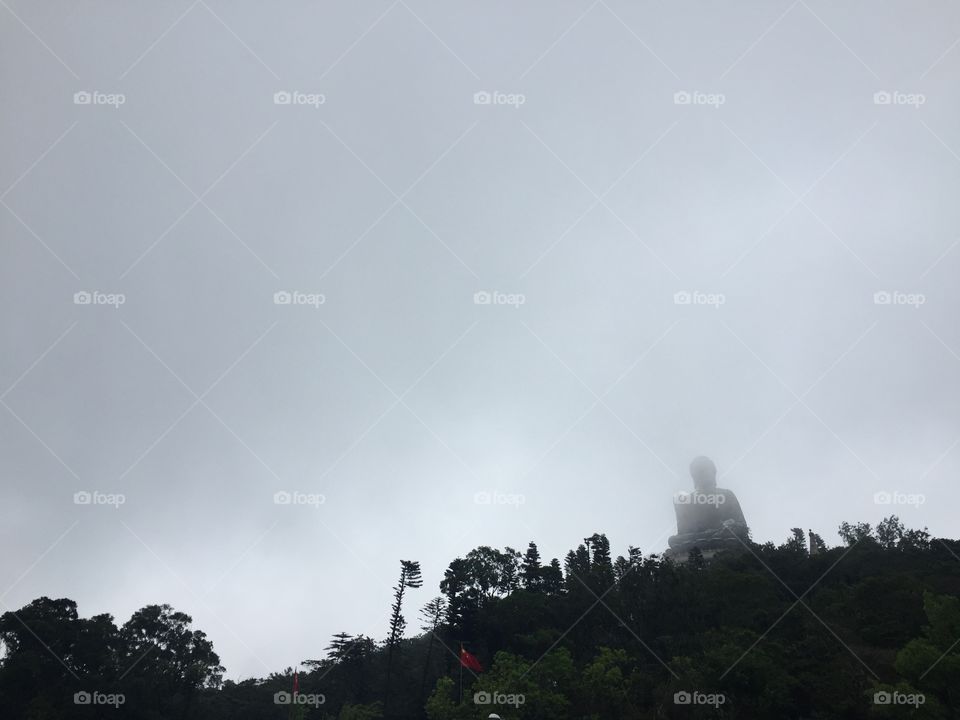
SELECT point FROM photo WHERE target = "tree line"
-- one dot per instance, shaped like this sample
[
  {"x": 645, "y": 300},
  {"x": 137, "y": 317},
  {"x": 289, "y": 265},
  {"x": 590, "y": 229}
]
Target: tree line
[{"x": 866, "y": 629}]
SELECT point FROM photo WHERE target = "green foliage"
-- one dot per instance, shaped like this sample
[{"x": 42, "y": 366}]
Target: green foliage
[
  {"x": 773, "y": 630},
  {"x": 524, "y": 689},
  {"x": 155, "y": 660},
  {"x": 443, "y": 703},
  {"x": 360, "y": 712},
  {"x": 603, "y": 684},
  {"x": 931, "y": 662}
]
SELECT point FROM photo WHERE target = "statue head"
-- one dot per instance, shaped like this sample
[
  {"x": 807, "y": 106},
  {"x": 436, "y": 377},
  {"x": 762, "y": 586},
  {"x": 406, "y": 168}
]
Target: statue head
[{"x": 704, "y": 474}]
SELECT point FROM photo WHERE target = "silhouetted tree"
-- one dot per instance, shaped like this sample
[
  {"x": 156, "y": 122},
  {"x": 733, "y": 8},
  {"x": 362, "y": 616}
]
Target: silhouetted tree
[
  {"x": 432, "y": 614},
  {"x": 796, "y": 543},
  {"x": 852, "y": 534},
  {"x": 339, "y": 648},
  {"x": 552, "y": 578},
  {"x": 410, "y": 577},
  {"x": 458, "y": 589},
  {"x": 530, "y": 569}
]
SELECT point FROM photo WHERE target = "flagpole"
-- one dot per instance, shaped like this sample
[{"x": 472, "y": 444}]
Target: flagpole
[{"x": 461, "y": 672}]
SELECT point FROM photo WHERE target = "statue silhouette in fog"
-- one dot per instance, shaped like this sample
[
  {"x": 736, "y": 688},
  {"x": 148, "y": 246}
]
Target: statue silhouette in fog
[{"x": 709, "y": 518}]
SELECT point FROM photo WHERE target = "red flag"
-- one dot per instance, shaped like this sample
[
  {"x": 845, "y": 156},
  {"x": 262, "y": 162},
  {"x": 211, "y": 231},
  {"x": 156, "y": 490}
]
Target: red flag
[
  {"x": 296, "y": 683},
  {"x": 469, "y": 661}
]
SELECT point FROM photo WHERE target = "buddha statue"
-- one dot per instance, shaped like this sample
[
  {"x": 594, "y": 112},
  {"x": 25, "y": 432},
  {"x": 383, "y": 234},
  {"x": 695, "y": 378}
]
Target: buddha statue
[{"x": 709, "y": 518}]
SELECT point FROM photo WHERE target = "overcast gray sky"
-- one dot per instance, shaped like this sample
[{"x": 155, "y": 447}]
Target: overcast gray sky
[{"x": 617, "y": 154}]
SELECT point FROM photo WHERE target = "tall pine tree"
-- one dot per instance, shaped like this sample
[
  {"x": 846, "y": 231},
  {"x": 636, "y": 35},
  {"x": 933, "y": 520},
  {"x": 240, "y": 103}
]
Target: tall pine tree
[
  {"x": 530, "y": 570},
  {"x": 410, "y": 577}
]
